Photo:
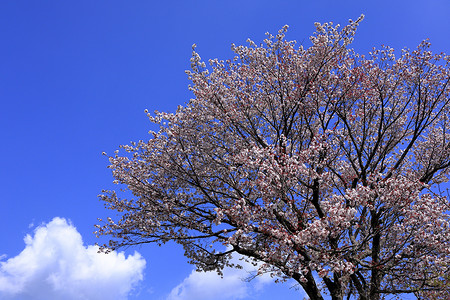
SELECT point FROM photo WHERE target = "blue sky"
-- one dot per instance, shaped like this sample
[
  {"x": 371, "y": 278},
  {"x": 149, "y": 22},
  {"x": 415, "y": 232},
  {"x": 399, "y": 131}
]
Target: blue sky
[{"x": 75, "y": 78}]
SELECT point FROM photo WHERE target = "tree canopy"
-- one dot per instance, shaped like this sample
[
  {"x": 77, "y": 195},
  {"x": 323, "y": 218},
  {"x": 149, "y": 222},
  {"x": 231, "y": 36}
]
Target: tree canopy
[{"x": 318, "y": 163}]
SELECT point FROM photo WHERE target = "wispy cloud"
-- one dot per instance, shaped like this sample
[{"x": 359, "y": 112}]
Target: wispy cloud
[
  {"x": 233, "y": 285},
  {"x": 56, "y": 265}
]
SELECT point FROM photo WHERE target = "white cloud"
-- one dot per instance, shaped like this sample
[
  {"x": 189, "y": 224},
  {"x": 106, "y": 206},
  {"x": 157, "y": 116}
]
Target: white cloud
[
  {"x": 56, "y": 265},
  {"x": 209, "y": 285}
]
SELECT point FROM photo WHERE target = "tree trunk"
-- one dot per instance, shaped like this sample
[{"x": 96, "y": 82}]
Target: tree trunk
[{"x": 309, "y": 286}]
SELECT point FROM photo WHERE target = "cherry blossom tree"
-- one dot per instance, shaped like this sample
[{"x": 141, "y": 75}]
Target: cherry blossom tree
[{"x": 318, "y": 164}]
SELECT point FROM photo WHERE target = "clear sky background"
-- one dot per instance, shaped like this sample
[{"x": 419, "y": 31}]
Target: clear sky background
[{"x": 75, "y": 78}]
